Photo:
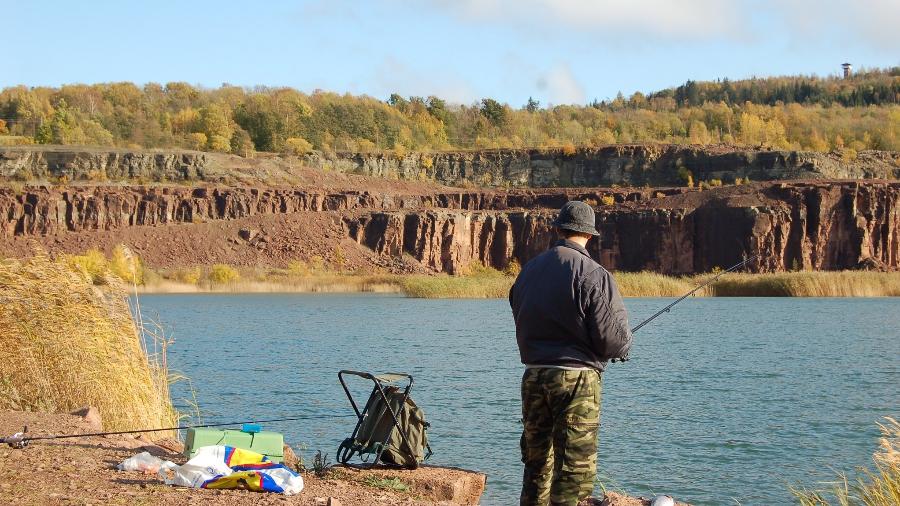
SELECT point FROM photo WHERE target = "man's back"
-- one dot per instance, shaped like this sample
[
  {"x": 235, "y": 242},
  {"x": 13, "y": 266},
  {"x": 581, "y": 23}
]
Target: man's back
[
  {"x": 569, "y": 321},
  {"x": 568, "y": 310}
]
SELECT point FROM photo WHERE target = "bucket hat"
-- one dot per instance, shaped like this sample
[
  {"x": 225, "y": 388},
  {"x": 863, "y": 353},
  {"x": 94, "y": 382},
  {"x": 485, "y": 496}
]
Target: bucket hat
[{"x": 578, "y": 217}]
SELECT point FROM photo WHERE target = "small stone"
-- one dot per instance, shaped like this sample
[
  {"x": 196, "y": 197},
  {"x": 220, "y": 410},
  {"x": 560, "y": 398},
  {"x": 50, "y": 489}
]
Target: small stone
[
  {"x": 290, "y": 458},
  {"x": 91, "y": 416}
]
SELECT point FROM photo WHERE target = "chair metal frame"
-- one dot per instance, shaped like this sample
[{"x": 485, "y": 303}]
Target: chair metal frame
[{"x": 348, "y": 448}]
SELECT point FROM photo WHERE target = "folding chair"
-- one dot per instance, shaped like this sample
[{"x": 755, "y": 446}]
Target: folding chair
[{"x": 384, "y": 425}]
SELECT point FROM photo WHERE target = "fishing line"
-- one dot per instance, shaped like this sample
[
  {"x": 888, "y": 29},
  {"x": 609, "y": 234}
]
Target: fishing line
[
  {"x": 669, "y": 307},
  {"x": 20, "y": 440}
]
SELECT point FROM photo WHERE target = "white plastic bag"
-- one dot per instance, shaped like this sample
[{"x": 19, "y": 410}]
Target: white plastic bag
[
  {"x": 208, "y": 463},
  {"x": 143, "y": 462}
]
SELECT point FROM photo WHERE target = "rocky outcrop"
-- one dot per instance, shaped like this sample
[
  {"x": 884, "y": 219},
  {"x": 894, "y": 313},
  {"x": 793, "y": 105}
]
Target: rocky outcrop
[
  {"x": 791, "y": 226},
  {"x": 636, "y": 165},
  {"x": 46, "y": 210},
  {"x": 36, "y": 163},
  {"x": 809, "y": 225}
]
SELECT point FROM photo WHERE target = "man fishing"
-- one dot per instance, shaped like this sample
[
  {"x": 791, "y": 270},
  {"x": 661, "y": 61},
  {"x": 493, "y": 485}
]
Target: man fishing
[{"x": 570, "y": 321}]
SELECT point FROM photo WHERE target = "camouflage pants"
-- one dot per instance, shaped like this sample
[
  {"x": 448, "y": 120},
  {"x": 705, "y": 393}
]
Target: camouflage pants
[{"x": 561, "y": 414}]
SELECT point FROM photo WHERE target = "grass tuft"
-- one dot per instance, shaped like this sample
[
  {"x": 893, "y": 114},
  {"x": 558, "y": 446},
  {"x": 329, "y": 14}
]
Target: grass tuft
[
  {"x": 385, "y": 483},
  {"x": 879, "y": 486},
  {"x": 66, "y": 343}
]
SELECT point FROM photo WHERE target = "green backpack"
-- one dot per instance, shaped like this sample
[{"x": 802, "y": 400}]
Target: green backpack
[{"x": 378, "y": 426}]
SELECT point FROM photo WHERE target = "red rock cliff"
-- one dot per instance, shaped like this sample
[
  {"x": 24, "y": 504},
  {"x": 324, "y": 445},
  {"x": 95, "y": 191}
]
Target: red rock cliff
[{"x": 810, "y": 225}]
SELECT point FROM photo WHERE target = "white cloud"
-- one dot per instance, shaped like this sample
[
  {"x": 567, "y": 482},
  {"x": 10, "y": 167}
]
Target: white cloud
[
  {"x": 394, "y": 76},
  {"x": 681, "y": 19},
  {"x": 560, "y": 86},
  {"x": 872, "y": 22},
  {"x": 804, "y": 22}
]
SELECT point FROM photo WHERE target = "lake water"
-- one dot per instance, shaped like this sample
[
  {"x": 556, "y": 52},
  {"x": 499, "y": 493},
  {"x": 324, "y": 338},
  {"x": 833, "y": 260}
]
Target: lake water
[{"x": 726, "y": 401}]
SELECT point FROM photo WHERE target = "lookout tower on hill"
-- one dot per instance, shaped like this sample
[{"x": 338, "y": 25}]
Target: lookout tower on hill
[{"x": 848, "y": 69}]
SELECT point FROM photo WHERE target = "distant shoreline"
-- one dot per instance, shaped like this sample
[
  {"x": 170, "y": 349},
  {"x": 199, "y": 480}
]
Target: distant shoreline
[{"x": 496, "y": 285}]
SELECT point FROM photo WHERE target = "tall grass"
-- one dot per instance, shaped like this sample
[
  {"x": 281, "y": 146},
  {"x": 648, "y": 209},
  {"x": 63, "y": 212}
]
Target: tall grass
[
  {"x": 809, "y": 284},
  {"x": 651, "y": 284},
  {"x": 479, "y": 283},
  {"x": 68, "y": 339},
  {"x": 879, "y": 486}
]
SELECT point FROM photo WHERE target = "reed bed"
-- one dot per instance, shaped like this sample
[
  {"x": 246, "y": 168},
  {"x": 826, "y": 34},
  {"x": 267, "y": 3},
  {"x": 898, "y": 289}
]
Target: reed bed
[
  {"x": 484, "y": 282},
  {"x": 269, "y": 280},
  {"x": 651, "y": 284},
  {"x": 68, "y": 339},
  {"x": 874, "y": 486},
  {"x": 444, "y": 286},
  {"x": 809, "y": 284}
]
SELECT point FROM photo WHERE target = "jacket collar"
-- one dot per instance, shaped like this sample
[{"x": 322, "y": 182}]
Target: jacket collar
[{"x": 575, "y": 246}]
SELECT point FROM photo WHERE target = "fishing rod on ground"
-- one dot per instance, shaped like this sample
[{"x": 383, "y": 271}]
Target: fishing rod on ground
[
  {"x": 21, "y": 440},
  {"x": 669, "y": 307}
]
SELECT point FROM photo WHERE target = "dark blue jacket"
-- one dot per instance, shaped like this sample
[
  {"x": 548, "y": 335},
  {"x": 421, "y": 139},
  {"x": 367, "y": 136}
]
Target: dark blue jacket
[{"x": 568, "y": 310}]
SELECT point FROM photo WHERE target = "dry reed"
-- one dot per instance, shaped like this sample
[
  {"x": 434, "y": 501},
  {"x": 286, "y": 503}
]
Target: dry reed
[
  {"x": 651, "y": 284},
  {"x": 809, "y": 284},
  {"x": 67, "y": 343},
  {"x": 879, "y": 486}
]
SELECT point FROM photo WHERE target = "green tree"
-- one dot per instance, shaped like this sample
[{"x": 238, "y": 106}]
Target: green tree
[{"x": 494, "y": 111}]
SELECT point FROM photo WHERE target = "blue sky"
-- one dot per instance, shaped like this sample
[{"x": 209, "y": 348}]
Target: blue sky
[{"x": 558, "y": 51}]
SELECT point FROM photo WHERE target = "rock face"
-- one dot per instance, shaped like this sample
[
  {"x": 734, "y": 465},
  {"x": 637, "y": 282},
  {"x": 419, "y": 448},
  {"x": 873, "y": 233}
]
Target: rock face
[
  {"x": 637, "y": 165},
  {"x": 29, "y": 163},
  {"x": 801, "y": 226},
  {"x": 809, "y": 225}
]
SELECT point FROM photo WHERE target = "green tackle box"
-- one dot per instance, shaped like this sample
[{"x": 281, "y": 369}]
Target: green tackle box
[{"x": 270, "y": 444}]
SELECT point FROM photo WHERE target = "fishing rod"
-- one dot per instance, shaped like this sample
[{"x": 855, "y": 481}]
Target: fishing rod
[
  {"x": 692, "y": 292},
  {"x": 20, "y": 440}
]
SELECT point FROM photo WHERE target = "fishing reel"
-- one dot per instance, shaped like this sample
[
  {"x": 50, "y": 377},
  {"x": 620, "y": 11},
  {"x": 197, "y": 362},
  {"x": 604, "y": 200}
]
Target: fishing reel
[{"x": 17, "y": 440}]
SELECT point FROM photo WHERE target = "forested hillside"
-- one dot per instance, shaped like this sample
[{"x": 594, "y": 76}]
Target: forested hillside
[{"x": 802, "y": 113}]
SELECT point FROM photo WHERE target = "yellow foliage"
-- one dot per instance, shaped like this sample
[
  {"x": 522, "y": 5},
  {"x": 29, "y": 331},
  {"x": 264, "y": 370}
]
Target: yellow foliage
[
  {"x": 197, "y": 140},
  {"x": 219, "y": 143},
  {"x": 190, "y": 276},
  {"x": 299, "y": 268},
  {"x": 125, "y": 264},
  {"x": 513, "y": 268},
  {"x": 608, "y": 200},
  {"x": 92, "y": 264},
  {"x": 223, "y": 273},
  {"x": 568, "y": 149},
  {"x": 297, "y": 146}
]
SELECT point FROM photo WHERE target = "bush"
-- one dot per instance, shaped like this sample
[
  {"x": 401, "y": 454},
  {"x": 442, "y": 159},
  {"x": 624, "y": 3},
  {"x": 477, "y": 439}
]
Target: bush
[
  {"x": 125, "y": 264},
  {"x": 190, "y": 276},
  {"x": 568, "y": 149},
  {"x": 222, "y": 273},
  {"x": 220, "y": 143},
  {"x": 608, "y": 200},
  {"x": 513, "y": 268},
  {"x": 297, "y": 146},
  {"x": 298, "y": 268},
  {"x": 197, "y": 140},
  {"x": 686, "y": 177}
]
